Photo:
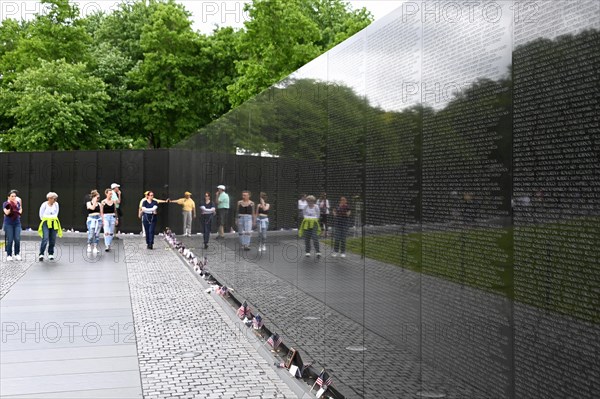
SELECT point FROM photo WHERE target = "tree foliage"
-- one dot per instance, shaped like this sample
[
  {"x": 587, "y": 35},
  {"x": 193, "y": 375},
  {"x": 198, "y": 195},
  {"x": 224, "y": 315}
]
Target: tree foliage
[
  {"x": 57, "y": 106},
  {"x": 146, "y": 79}
]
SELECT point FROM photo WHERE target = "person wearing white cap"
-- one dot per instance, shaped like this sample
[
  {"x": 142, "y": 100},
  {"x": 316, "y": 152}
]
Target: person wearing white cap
[
  {"x": 50, "y": 225},
  {"x": 116, "y": 197},
  {"x": 222, "y": 201}
]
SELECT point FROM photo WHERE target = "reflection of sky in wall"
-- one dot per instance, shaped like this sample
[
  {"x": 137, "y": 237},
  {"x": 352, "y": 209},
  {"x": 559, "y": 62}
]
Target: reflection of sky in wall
[
  {"x": 423, "y": 52},
  {"x": 418, "y": 54},
  {"x": 553, "y": 18}
]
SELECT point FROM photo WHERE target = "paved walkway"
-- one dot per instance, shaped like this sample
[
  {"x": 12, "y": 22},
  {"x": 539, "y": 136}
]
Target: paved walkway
[
  {"x": 383, "y": 331},
  {"x": 380, "y": 331},
  {"x": 131, "y": 323}
]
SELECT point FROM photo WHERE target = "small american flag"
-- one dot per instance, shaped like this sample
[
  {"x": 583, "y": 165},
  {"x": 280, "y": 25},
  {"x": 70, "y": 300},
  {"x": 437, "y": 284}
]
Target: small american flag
[
  {"x": 324, "y": 380},
  {"x": 274, "y": 341},
  {"x": 244, "y": 310},
  {"x": 257, "y": 322},
  {"x": 223, "y": 291}
]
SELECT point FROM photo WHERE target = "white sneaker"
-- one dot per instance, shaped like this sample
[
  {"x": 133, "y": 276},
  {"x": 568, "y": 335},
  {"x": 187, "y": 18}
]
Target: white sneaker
[
  {"x": 18, "y": 257},
  {"x": 95, "y": 251},
  {"x": 89, "y": 248},
  {"x": 8, "y": 258},
  {"x": 343, "y": 255},
  {"x": 318, "y": 254},
  {"x": 260, "y": 248},
  {"x": 307, "y": 254},
  {"x": 264, "y": 247},
  {"x": 41, "y": 258},
  {"x": 334, "y": 254},
  {"x": 50, "y": 257}
]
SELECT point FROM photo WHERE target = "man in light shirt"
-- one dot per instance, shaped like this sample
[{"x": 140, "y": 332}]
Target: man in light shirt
[{"x": 222, "y": 201}]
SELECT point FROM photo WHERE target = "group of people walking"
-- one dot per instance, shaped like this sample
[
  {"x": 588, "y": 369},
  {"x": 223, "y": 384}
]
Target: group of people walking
[
  {"x": 248, "y": 216},
  {"x": 313, "y": 222},
  {"x": 148, "y": 210},
  {"x": 104, "y": 215}
]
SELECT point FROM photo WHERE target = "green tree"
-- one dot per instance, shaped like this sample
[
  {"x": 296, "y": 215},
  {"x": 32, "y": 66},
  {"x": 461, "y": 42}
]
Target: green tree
[
  {"x": 57, "y": 34},
  {"x": 221, "y": 49},
  {"x": 167, "y": 85},
  {"x": 57, "y": 106}
]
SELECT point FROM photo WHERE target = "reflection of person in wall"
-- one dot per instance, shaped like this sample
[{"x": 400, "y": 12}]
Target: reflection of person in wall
[
  {"x": 188, "y": 212},
  {"x": 222, "y": 202},
  {"x": 310, "y": 227},
  {"x": 246, "y": 219},
  {"x": 49, "y": 225},
  {"x": 148, "y": 213},
  {"x": 109, "y": 210},
  {"x": 262, "y": 220},
  {"x": 341, "y": 223},
  {"x": 323, "y": 204},
  {"x": 94, "y": 221},
  {"x": 207, "y": 211},
  {"x": 301, "y": 205},
  {"x": 12, "y": 225}
]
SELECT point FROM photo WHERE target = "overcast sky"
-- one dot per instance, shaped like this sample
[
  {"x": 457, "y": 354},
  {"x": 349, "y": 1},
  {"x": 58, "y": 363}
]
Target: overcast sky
[{"x": 206, "y": 14}]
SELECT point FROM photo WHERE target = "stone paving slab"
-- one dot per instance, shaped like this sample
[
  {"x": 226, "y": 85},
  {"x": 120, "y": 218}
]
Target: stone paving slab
[
  {"x": 175, "y": 317},
  {"x": 53, "y": 344},
  {"x": 68, "y": 330},
  {"x": 117, "y": 393}
]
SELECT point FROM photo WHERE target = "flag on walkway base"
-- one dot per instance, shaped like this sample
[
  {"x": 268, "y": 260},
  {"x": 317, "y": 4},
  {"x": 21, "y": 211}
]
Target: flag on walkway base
[
  {"x": 244, "y": 311},
  {"x": 324, "y": 380},
  {"x": 257, "y": 322},
  {"x": 274, "y": 341}
]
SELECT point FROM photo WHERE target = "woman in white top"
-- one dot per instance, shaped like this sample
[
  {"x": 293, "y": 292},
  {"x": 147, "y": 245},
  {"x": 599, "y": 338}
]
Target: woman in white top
[
  {"x": 301, "y": 205},
  {"x": 323, "y": 204},
  {"x": 50, "y": 225}
]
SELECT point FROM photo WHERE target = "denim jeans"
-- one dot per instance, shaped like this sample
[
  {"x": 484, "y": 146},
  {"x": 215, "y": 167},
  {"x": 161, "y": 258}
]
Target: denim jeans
[
  {"x": 311, "y": 234},
  {"x": 13, "y": 235},
  {"x": 205, "y": 226},
  {"x": 340, "y": 232},
  {"x": 93, "y": 226},
  {"x": 48, "y": 238},
  {"x": 245, "y": 229},
  {"x": 109, "y": 229},
  {"x": 263, "y": 226},
  {"x": 149, "y": 222}
]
